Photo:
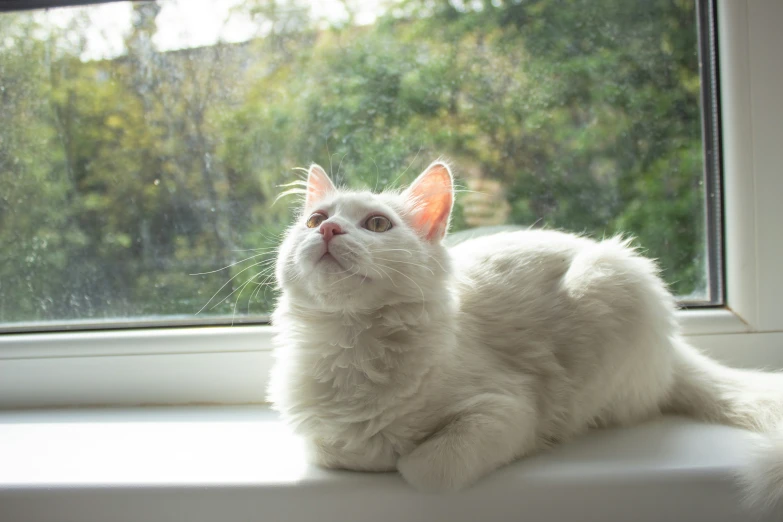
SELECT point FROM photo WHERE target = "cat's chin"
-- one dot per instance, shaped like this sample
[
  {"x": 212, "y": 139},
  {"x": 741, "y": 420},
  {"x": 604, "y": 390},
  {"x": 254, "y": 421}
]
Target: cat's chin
[
  {"x": 328, "y": 258},
  {"x": 331, "y": 274}
]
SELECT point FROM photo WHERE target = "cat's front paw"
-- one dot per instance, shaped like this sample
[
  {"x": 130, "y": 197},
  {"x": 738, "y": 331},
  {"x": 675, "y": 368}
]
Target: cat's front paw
[{"x": 432, "y": 473}]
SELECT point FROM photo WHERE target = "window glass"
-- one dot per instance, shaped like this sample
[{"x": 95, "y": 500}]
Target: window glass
[{"x": 141, "y": 143}]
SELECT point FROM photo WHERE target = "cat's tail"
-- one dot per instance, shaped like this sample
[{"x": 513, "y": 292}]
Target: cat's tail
[{"x": 753, "y": 400}]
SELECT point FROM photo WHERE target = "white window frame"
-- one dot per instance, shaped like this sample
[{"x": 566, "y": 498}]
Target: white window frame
[{"x": 230, "y": 365}]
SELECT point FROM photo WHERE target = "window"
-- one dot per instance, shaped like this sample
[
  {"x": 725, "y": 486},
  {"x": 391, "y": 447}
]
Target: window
[
  {"x": 143, "y": 142},
  {"x": 223, "y": 364}
]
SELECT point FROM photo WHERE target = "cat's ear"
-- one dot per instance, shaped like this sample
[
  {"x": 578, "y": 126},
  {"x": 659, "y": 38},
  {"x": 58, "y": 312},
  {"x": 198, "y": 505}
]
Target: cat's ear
[
  {"x": 430, "y": 198},
  {"x": 318, "y": 185}
]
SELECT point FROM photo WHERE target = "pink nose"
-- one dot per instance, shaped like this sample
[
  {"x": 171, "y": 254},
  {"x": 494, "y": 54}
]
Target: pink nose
[{"x": 329, "y": 230}]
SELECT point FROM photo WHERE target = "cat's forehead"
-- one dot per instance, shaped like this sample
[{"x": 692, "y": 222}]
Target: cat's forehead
[{"x": 358, "y": 204}]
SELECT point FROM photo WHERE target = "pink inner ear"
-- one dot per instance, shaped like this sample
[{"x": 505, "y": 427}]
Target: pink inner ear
[
  {"x": 432, "y": 196},
  {"x": 318, "y": 185}
]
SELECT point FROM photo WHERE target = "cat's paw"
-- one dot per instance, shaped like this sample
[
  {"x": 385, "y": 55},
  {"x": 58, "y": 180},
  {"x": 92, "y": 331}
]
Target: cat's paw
[{"x": 433, "y": 473}]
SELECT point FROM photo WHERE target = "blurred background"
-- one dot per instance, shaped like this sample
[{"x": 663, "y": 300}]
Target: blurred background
[{"x": 141, "y": 142}]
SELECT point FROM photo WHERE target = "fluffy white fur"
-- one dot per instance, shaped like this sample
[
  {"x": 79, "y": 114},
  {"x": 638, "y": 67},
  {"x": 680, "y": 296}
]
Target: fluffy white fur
[{"x": 394, "y": 352}]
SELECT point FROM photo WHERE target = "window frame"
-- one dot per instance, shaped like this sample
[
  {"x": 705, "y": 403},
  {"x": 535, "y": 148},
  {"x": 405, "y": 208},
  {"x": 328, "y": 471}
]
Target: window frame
[
  {"x": 713, "y": 164},
  {"x": 25, "y": 5},
  {"x": 229, "y": 365}
]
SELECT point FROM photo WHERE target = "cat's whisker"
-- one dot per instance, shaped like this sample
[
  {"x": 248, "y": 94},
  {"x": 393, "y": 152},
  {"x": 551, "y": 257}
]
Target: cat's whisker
[
  {"x": 437, "y": 262},
  {"x": 272, "y": 234},
  {"x": 296, "y": 182},
  {"x": 265, "y": 249},
  {"x": 252, "y": 295},
  {"x": 382, "y": 250},
  {"x": 242, "y": 289},
  {"x": 268, "y": 280},
  {"x": 289, "y": 192},
  {"x": 421, "y": 291},
  {"x": 377, "y": 176},
  {"x": 346, "y": 277},
  {"x": 229, "y": 266},
  {"x": 326, "y": 142},
  {"x": 390, "y": 278},
  {"x": 266, "y": 276},
  {"x": 367, "y": 276},
  {"x": 340, "y": 165},
  {"x": 239, "y": 296},
  {"x": 241, "y": 286},
  {"x": 405, "y": 276},
  {"x": 536, "y": 222},
  {"x": 267, "y": 268},
  {"x": 225, "y": 284},
  {"x": 377, "y": 272},
  {"x": 468, "y": 191},
  {"x": 266, "y": 273},
  {"x": 342, "y": 271},
  {"x": 406, "y": 168},
  {"x": 258, "y": 288},
  {"x": 407, "y": 263}
]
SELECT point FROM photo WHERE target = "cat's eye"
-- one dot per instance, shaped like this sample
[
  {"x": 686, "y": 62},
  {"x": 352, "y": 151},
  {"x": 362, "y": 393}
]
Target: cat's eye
[
  {"x": 378, "y": 224},
  {"x": 315, "y": 220}
]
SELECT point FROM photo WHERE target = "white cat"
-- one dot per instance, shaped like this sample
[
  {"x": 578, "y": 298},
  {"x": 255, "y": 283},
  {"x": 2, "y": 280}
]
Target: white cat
[{"x": 394, "y": 352}]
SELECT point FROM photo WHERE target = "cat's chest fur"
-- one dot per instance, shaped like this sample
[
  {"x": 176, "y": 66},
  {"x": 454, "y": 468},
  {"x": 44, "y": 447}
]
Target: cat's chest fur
[{"x": 362, "y": 383}]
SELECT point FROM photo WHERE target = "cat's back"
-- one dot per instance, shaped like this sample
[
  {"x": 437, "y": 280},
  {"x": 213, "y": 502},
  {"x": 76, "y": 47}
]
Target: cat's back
[
  {"x": 519, "y": 261},
  {"x": 548, "y": 284},
  {"x": 510, "y": 283}
]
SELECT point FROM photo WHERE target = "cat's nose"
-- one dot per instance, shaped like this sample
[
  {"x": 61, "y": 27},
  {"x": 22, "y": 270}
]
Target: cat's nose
[{"x": 329, "y": 230}]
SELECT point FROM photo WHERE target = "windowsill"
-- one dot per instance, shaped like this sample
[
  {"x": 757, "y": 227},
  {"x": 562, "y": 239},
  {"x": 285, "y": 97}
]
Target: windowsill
[{"x": 240, "y": 463}]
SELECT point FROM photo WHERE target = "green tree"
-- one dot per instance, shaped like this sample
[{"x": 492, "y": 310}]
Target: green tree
[{"x": 120, "y": 176}]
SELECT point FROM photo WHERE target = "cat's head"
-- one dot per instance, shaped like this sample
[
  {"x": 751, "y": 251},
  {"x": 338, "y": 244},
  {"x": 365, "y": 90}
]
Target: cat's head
[{"x": 352, "y": 250}]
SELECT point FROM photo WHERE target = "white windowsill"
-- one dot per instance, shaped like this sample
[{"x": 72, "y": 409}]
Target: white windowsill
[
  {"x": 240, "y": 463},
  {"x": 244, "y": 338},
  {"x": 225, "y": 365}
]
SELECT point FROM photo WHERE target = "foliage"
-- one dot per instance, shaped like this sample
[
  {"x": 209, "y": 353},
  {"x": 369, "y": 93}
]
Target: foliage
[{"x": 119, "y": 177}]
